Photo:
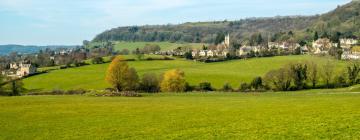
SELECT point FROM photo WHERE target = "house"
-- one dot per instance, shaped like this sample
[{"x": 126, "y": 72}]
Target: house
[
  {"x": 348, "y": 55},
  {"x": 347, "y": 43},
  {"x": 322, "y": 46},
  {"x": 21, "y": 69},
  {"x": 195, "y": 53},
  {"x": 210, "y": 53},
  {"x": 245, "y": 50},
  {"x": 203, "y": 53},
  {"x": 274, "y": 45},
  {"x": 304, "y": 49}
]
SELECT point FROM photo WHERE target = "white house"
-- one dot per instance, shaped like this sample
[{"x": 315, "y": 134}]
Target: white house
[
  {"x": 347, "y": 43},
  {"x": 203, "y": 53},
  {"x": 245, "y": 50},
  {"x": 211, "y": 53}
]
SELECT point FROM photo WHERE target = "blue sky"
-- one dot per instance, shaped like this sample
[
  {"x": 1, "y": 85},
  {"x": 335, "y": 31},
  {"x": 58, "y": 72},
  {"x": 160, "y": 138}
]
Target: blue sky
[{"x": 69, "y": 22}]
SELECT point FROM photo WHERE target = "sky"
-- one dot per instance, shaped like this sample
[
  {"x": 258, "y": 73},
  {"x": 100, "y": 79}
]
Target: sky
[{"x": 69, "y": 22}]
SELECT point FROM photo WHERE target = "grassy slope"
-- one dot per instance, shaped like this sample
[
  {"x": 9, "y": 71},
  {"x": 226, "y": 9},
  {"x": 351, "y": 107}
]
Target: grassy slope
[
  {"x": 305, "y": 115},
  {"x": 163, "y": 45},
  {"x": 234, "y": 72}
]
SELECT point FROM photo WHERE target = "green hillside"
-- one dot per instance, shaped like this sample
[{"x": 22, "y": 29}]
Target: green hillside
[
  {"x": 163, "y": 45},
  {"x": 297, "y": 115},
  {"x": 345, "y": 19},
  {"x": 234, "y": 72}
]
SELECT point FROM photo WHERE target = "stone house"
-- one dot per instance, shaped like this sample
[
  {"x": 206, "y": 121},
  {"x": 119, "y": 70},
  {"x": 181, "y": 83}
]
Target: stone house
[
  {"x": 322, "y": 46},
  {"x": 22, "y": 69}
]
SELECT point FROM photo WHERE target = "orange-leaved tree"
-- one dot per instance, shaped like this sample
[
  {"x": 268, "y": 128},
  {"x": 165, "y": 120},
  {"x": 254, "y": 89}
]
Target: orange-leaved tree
[
  {"x": 173, "y": 81},
  {"x": 120, "y": 76}
]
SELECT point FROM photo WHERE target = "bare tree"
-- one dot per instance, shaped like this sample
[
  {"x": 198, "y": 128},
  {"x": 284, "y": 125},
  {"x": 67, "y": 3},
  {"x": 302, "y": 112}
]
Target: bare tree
[
  {"x": 312, "y": 73},
  {"x": 327, "y": 73}
]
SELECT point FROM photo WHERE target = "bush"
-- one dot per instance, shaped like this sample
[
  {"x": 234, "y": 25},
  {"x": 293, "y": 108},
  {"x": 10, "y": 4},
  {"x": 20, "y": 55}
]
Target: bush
[
  {"x": 205, "y": 86},
  {"x": 245, "y": 87},
  {"x": 227, "y": 88},
  {"x": 150, "y": 83},
  {"x": 173, "y": 81},
  {"x": 257, "y": 83},
  {"x": 97, "y": 60}
]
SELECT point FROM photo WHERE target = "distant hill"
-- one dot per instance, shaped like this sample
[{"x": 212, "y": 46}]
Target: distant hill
[
  {"x": 344, "y": 19},
  {"x": 21, "y": 49}
]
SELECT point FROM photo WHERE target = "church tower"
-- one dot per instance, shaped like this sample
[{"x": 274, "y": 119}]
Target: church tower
[{"x": 227, "y": 40}]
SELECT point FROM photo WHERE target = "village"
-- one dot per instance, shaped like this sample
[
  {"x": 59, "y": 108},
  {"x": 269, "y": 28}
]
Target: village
[
  {"x": 322, "y": 46},
  {"x": 211, "y": 53}
]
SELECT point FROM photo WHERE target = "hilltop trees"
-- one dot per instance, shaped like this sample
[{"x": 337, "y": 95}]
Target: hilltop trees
[
  {"x": 173, "y": 81},
  {"x": 120, "y": 76}
]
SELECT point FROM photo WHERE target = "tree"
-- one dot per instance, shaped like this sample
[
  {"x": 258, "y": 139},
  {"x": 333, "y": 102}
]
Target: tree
[
  {"x": 188, "y": 55},
  {"x": 299, "y": 75},
  {"x": 132, "y": 80},
  {"x": 150, "y": 83},
  {"x": 205, "y": 86},
  {"x": 257, "y": 83},
  {"x": 327, "y": 73},
  {"x": 220, "y": 37},
  {"x": 173, "y": 81},
  {"x": 16, "y": 87},
  {"x": 120, "y": 76},
  {"x": 1, "y": 83},
  {"x": 227, "y": 87},
  {"x": 316, "y": 36},
  {"x": 279, "y": 80},
  {"x": 245, "y": 87},
  {"x": 97, "y": 60},
  {"x": 312, "y": 73},
  {"x": 353, "y": 73},
  {"x": 139, "y": 54}
]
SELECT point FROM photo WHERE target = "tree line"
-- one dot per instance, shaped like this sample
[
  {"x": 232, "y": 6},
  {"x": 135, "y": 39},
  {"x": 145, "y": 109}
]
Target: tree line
[{"x": 291, "y": 77}]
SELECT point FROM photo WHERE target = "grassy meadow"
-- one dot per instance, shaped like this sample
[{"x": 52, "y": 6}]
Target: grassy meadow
[
  {"x": 315, "y": 114},
  {"x": 233, "y": 72}
]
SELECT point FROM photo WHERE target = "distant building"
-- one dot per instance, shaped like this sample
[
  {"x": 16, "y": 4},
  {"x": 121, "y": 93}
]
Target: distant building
[
  {"x": 347, "y": 43},
  {"x": 203, "y": 53},
  {"x": 21, "y": 69},
  {"x": 322, "y": 46},
  {"x": 350, "y": 56}
]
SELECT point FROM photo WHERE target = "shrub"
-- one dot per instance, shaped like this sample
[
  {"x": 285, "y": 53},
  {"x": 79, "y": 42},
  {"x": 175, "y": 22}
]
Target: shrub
[
  {"x": 120, "y": 76},
  {"x": 97, "y": 60},
  {"x": 205, "y": 86},
  {"x": 227, "y": 88},
  {"x": 173, "y": 81},
  {"x": 150, "y": 83},
  {"x": 245, "y": 87},
  {"x": 257, "y": 83}
]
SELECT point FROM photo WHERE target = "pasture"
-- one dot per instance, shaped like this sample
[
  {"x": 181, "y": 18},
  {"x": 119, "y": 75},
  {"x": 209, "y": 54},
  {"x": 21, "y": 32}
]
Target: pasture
[
  {"x": 315, "y": 114},
  {"x": 233, "y": 72}
]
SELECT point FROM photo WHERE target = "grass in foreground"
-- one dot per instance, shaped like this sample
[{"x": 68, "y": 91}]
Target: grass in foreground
[
  {"x": 233, "y": 72},
  {"x": 301, "y": 115}
]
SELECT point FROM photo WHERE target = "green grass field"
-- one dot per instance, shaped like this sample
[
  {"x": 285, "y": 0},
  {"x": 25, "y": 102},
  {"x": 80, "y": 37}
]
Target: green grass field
[
  {"x": 317, "y": 114},
  {"x": 163, "y": 45},
  {"x": 233, "y": 72}
]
